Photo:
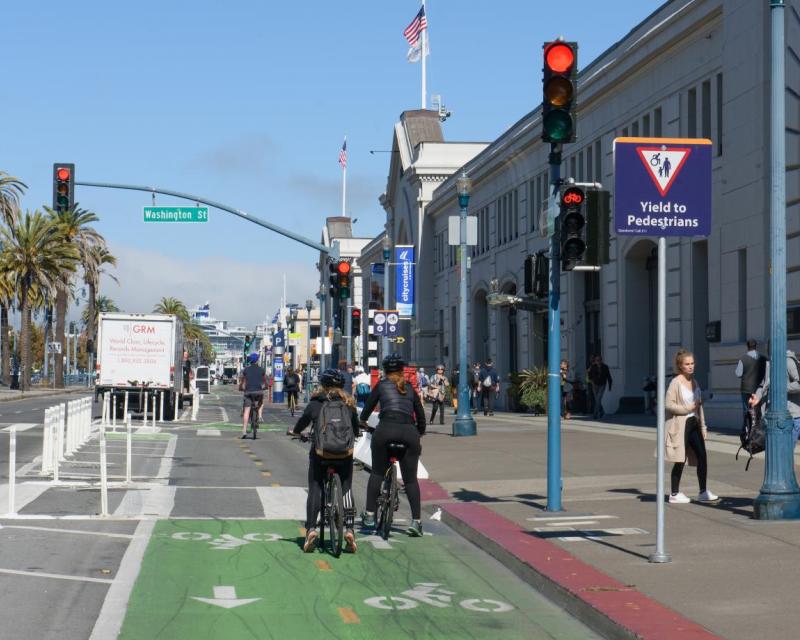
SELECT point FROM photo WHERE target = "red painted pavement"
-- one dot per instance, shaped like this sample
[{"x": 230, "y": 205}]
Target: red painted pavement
[
  {"x": 431, "y": 491},
  {"x": 624, "y": 605}
]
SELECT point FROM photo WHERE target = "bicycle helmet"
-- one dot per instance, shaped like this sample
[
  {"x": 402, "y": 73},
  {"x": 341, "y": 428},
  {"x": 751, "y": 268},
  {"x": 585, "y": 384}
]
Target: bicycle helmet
[
  {"x": 253, "y": 357},
  {"x": 393, "y": 362},
  {"x": 331, "y": 378}
]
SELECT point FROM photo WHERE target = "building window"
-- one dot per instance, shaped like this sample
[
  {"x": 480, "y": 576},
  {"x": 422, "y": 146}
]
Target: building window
[
  {"x": 589, "y": 164},
  {"x": 691, "y": 110},
  {"x": 515, "y": 214},
  {"x": 719, "y": 114},
  {"x": 793, "y": 320},
  {"x": 580, "y": 166},
  {"x": 705, "y": 108},
  {"x": 598, "y": 162},
  {"x": 657, "y": 123},
  {"x": 646, "y": 125},
  {"x": 635, "y": 129}
]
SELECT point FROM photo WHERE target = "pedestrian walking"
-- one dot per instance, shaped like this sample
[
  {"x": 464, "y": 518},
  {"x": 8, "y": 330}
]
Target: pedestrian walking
[
  {"x": 750, "y": 370},
  {"x": 422, "y": 382},
  {"x": 346, "y": 369},
  {"x": 686, "y": 431},
  {"x": 362, "y": 385},
  {"x": 475, "y": 387},
  {"x": 792, "y": 392},
  {"x": 564, "y": 374},
  {"x": 454, "y": 387},
  {"x": 437, "y": 392},
  {"x": 490, "y": 385},
  {"x": 599, "y": 378}
]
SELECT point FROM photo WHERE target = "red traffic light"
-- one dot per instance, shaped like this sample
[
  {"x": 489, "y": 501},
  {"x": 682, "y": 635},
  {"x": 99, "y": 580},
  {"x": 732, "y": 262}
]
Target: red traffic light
[
  {"x": 573, "y": 197},
  {"x": 63, "y": 173},
  {"x": 343, "y": 268},
  {"x": 559, "y": 57},
  {"x": 356, "y": 313}
]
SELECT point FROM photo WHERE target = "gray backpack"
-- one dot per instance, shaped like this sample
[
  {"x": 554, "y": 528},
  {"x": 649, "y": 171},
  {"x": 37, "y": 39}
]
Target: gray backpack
[{"x": 333, "y": 430}]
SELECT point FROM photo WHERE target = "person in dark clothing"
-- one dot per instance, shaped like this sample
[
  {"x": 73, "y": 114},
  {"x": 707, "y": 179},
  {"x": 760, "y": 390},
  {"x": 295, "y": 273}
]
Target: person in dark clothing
[
  {"x": 402, "y": 419},
  {"x": 490, "y": 385},
  {"x": 599, "y": 376},
  {"x": 750, "y": 370},
  {"x": 347, "y": 373},
  {"x": 291, "y": 385},
  {"x": 331, "y": 382},
  {"x": 454, "y": 387},
  {"x": 437, "y": 392},
  {"x": 252, "y": 382}
]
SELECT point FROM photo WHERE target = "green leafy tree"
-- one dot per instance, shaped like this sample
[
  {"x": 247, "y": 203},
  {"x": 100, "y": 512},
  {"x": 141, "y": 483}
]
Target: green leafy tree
[
  {"x": 93, "y": 261},
  {"x": 11, "y": 189}
]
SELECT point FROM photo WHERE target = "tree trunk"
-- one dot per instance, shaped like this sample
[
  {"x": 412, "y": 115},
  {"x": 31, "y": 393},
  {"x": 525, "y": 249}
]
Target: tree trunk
[
  {"x": 5, "y": 346},
  {"x": 25, "y": 340},
  {"x": 61, "y": 315},
  {"x": 91, "y": 328}
]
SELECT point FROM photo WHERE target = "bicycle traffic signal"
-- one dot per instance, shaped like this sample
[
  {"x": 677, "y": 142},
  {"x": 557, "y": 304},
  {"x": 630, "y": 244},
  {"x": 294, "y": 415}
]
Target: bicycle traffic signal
[
  {"x": 559, "y": 91},
  {"x": 63, "y": 186},
  {"x": 343, "y": 279},
  {"x": 573, "y": 223},
  {"x": 355, "y": 324}
]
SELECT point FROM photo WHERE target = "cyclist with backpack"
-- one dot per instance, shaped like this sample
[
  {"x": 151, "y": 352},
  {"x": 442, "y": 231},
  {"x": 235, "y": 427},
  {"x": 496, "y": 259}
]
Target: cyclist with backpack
[
  {"x": 334, "y": 427},
  {"x": 362, "y": 383},
  {"x": 291, "y": 385},
  {"x": 402, "y": 419},
  {"x": 252, "y": 382}
]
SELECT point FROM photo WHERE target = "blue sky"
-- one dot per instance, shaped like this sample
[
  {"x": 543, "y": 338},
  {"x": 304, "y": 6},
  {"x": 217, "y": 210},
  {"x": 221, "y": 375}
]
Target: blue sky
[{"x": 247, "y": 103}]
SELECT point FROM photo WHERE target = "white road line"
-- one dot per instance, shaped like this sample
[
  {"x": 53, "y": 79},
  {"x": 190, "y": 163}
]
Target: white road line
[
  {"x": 107, "y": 534},
  {"x": 572, "y": 517},
  {"x": 57, "y": 576},
  {"x": 283, "y": 503},
  {"x": 209, "y": 432},
  {"x": 26, "y": 492},
  {"x": 22, "y": 426},
  {"x": 224, "y": 414},
  {"x": 158, "y": 501},
  {"x": 109, "y": 622}
]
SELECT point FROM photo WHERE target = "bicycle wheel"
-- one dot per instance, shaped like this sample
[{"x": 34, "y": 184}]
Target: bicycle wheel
[
  {"x": 335, "y": 501},
  {"x": 388, "y": 497},
  {"x": 254, "y": 420}
]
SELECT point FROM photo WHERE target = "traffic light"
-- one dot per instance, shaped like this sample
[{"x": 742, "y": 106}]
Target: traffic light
[
  {"x": 598, "y": 227},
  {"x": 573, "y": 226},
  {"x": 333, "y": 279},
  {"x": 343, "y": 270},
  {"x": 541, "y": 275},
  {"x": 63, "y": 186},
  {"x": 355, "y": 317},
  {"x": 528, "y": 280},
  {"x": 559, "y": 91}
]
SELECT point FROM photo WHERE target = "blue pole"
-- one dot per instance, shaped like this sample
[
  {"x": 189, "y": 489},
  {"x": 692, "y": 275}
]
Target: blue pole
[
  {"x": 554, "y": 349},
  {"x": 464, "y": 424},
  {"x": 780, "y": 496}
]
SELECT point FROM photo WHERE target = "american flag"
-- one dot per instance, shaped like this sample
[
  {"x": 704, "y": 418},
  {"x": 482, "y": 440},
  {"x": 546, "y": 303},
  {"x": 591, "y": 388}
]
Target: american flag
[
  {"x": 343, "y": 155},
  {"x": 417, "y": 26}
]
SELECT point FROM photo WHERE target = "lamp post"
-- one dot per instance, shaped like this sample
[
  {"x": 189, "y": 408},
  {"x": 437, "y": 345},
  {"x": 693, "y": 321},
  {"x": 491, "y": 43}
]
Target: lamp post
[
  {"x": 309, "y": 307},
  {"x": 387, "y": 254},
  {"x": 322, "y": 329},
  {"x": 464, "y": 424}
]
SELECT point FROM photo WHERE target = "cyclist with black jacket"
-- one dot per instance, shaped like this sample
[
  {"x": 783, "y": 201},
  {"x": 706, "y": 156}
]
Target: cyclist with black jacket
[
  {"x": 331, "y": 382},
  {"x": 402, "y": 419}
]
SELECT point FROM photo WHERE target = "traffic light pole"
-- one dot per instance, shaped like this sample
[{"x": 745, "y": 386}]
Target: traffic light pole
[
  {"x": 348, "y": 327},
  {"x": 554, "y": 346}
]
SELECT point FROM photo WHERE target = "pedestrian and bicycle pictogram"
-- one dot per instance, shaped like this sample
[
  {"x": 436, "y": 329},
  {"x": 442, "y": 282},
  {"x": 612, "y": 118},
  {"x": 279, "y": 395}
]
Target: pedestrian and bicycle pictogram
[{"x": 431, "y": 594}]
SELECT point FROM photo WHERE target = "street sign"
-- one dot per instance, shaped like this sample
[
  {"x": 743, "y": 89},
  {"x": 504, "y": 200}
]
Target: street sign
[
  {"x": 662, "y": 186},
  {"x": 454, "y": 230},
  {"x": 53, "y": 347},
  {"x": 386, "y": 322},
  {"x": 397, "y": 340},
  {"x": 176, "y": 214}
]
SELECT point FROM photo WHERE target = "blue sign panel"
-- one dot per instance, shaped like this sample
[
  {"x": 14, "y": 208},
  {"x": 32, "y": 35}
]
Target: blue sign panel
[
  {"x": 379, "y": 323},
  {"x": 662, "y": 186},
  {"x": 404, "y": 280}
]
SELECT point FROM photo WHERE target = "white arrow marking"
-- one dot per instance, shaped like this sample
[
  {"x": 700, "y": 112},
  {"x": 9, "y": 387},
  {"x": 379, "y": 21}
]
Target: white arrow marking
[{"x": 225, "y": 597}]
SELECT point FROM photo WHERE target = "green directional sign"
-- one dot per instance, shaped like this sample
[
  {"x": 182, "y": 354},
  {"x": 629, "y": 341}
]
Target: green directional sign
[{"x": 176, "y": 214}]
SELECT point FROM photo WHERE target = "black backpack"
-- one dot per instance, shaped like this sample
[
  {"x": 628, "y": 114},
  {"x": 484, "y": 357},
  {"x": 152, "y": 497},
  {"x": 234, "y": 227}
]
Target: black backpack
[
  {"x": 333, "y": 430},
  {"x": 753, "y": 435}
]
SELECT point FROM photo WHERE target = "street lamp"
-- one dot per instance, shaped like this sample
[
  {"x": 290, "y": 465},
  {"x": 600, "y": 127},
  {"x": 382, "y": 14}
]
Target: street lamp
[
  {"x": 387, "y": 254},
  {"x": 464, "y": 424},
  {"x": 309, "y": 307}
]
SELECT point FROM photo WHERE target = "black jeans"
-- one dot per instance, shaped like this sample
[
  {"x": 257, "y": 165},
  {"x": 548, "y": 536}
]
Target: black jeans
[
  {"x": 438, "y": 405},
  {"x": 487, "y": 399},
  {"x": 385, "y": 433},
  {"x": 317, "y": 474},
  {"x": 692, "y": 438}
]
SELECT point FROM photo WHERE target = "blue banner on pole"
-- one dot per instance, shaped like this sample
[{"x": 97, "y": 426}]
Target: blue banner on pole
[
  {"x": 662, "y": 186},
  {"x": 404, "y": 280}
]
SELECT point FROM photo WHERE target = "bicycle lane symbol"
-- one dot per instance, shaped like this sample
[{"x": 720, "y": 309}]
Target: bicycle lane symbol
[
  {"x": 431, "y": 594},
  {"x": 226, "y": 541}
]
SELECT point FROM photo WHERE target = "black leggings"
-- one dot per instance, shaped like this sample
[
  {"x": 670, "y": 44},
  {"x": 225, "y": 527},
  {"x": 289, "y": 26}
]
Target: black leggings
[
  {"x": 438, "y": 405},
  {"x": 395, "y": 432},
  {"x": 694, "y": 439},
  {"x": 317, "y": 474}
]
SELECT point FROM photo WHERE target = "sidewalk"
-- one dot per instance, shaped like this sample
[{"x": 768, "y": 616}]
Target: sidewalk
[
  {"x": 7, "y": 394},
  {"x": 733, "y": 576}
]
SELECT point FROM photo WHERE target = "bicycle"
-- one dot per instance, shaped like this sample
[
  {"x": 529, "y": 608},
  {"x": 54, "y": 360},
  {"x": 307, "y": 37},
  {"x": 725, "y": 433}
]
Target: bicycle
[
  {"x": 332, "y": 511},
  {"x": 292, "y": 401},
  {"x": 389, "y": 498},
  {"x": 254, "y": 423}
]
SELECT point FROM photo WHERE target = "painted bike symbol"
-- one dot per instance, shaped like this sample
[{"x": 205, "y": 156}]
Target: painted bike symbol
[{"x": 429, "y": 593}]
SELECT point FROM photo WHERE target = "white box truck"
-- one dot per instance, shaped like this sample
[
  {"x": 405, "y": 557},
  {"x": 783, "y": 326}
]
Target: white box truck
[{"x": 140, "y": 354}]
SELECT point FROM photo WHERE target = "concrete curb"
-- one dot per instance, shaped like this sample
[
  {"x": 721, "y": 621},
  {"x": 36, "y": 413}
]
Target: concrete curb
[{"x": 608, "y": 607}]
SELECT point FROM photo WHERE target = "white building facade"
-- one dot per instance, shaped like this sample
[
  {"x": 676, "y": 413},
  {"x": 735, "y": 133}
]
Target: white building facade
[{"x": 692, "y": 69}]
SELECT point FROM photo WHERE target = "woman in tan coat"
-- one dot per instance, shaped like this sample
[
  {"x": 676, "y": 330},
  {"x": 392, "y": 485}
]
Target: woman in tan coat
[{"x": 686, "y": 430}]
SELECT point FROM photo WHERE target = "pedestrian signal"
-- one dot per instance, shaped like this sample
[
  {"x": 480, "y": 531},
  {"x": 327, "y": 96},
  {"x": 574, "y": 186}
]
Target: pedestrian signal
[{"x": 559, "y": 91}]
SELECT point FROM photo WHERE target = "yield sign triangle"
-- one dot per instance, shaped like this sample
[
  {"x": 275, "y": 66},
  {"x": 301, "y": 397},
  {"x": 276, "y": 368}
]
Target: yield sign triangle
[{"x": 663, "y": 164}]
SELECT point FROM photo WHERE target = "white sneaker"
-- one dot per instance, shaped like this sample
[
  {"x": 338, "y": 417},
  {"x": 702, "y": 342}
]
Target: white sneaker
[
  {"x": 707, "y": 496},
  {"x": 678, "y": 498}
]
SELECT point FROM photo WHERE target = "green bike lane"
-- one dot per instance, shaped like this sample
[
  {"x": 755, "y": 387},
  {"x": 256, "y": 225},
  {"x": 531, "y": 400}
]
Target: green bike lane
[{"x": 242, "y": 579}]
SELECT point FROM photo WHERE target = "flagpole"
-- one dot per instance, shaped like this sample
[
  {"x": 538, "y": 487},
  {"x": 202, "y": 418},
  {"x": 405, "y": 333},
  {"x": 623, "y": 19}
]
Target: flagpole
[
  {"x": 424, "y": 42},
  {"x": 344, "y": 183}
]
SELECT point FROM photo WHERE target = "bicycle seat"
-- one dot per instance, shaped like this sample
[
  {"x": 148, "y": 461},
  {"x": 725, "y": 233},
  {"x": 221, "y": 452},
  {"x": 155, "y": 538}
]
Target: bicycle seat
[{"x": 395, "y": 448}]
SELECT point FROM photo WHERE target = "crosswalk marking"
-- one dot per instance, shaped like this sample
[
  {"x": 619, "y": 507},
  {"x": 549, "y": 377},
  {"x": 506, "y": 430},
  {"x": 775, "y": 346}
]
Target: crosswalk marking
[
  {"x": 283, "y": 503},
  {"x": 209, "y": 432}
]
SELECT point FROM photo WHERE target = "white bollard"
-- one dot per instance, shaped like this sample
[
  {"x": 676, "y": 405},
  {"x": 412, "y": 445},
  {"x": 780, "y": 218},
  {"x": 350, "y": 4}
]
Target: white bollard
[
  {"x": 62, "y": 440},
  {"x": 56, "y": 443},
  {"x": 128, "y": 449},
  {"x": 161, "y": 406},
  {"x": 125, "y": 405},
  {"x": 114, "y": 411},
  {"x": 195, "y": 403},
  {"x": 103, "y": 475},
  {"x": 154, "y": 412},
  {"x": 144, "y": 415},
  {"x": 103, "y": 408},
  {"x": 47, "y": 443},
  {"x": 12, "y": 470},
  {"x": 175, "y": 407}
]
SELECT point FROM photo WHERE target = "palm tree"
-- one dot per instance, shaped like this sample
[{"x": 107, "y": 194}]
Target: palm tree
[
  {"x": 75, "y": 230},
  {"x": 173, "y": 306},
  {"x": 93, "y": 262},
  {"x": 191, "y": 330},
  {"x": 35, "y": 257},
  {"x": 103, "y": 304},
  {"x": 11, "y": 189}
]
